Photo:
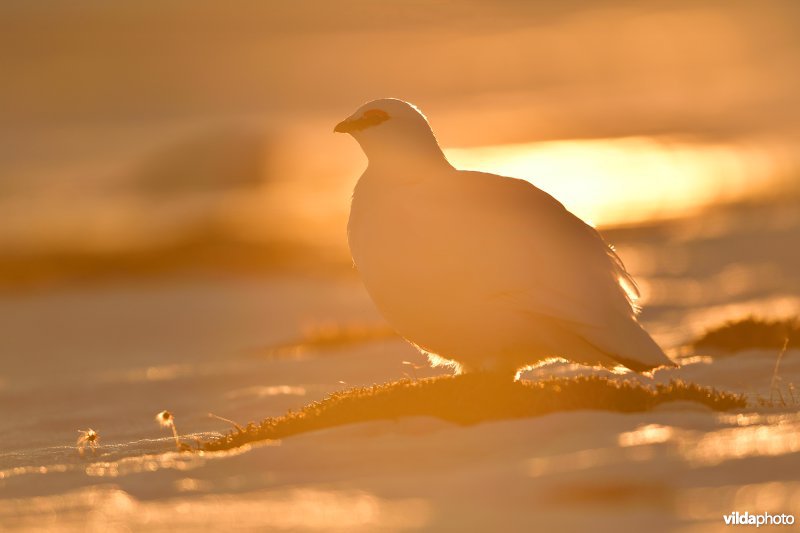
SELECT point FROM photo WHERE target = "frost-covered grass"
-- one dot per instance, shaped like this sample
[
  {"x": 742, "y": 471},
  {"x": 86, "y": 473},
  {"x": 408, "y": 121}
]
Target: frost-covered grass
[
  {"x": 751, "y": 333},
  {"x": 773, "y": 337},
  {"x": 473, "y": 398}
]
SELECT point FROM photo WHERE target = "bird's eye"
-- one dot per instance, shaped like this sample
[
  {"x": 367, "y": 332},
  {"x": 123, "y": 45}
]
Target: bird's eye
[
  {"x": 376, "y": 114},
  {"x": 369, "y": 118}
]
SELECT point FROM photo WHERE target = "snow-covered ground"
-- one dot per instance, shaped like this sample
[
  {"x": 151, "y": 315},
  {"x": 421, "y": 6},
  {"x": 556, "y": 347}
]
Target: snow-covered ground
[{"x": 110, "y": 357}]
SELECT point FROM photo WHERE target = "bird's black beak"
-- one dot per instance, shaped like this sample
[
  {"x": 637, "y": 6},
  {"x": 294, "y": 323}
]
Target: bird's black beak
[{"x": 345, "y": 126}]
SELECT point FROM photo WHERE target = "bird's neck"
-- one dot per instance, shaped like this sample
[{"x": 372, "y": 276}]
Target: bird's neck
[{"x": 407, "y": 158}]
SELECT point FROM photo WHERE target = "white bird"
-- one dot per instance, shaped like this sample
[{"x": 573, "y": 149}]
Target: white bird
[{"x": 485, "y": 272}]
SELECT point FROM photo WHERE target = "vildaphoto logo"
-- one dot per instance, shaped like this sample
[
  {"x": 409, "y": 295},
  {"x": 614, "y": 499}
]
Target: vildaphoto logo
[{"x": 764, "y": 519}]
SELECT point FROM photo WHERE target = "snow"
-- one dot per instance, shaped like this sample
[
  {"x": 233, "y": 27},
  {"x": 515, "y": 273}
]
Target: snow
[{"x": 241, "y": 349}]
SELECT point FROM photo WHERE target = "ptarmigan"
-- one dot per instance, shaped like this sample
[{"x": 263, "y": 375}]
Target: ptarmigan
[{"x": 485, "y": 271}]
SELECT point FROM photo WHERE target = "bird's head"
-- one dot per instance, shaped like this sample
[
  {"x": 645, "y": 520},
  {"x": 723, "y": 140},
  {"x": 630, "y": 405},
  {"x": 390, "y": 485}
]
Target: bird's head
[{"x": 391, "y": 131}]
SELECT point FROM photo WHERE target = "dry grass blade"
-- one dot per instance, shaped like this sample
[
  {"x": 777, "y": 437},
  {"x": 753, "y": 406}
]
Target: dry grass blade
[
  {"x": 774, "y": 385},
  {"x": 239, "y": 428}
]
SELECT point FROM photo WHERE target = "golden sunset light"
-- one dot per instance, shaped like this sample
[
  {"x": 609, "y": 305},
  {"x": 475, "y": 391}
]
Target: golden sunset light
[
  {"x": 633, "y": 179},
  {"x": 399, "y": 265}
]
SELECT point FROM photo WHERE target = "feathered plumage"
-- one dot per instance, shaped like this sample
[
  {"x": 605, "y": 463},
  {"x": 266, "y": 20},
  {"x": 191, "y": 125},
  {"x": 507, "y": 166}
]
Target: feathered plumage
[{"x": 484, "y": 270}]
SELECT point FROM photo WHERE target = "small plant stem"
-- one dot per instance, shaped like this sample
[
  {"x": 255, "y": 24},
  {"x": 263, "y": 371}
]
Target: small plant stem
[{"x": 175, "y": 434}]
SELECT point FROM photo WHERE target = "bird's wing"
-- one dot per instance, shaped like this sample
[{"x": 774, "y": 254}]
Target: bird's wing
[{"x": 545, "y": 261}]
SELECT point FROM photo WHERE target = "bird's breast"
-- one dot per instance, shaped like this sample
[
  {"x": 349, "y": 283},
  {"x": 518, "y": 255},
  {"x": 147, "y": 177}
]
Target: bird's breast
[{"x": 398, "y": 238}]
